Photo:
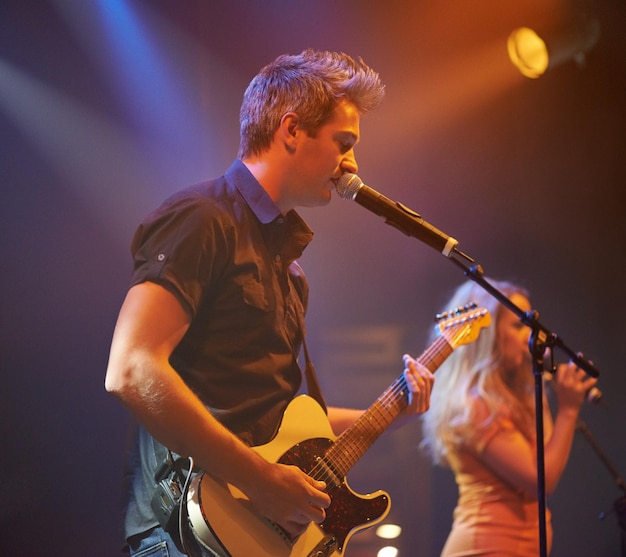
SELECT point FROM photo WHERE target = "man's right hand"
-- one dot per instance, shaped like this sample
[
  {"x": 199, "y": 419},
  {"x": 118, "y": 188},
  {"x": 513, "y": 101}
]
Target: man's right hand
[{"x": 288, "y": 497}]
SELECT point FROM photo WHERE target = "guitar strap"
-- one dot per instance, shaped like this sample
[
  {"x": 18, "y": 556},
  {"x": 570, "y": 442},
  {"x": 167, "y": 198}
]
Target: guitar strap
[
  {"x": 312, "y": 384},
  {"x": 311, "y": 378}
]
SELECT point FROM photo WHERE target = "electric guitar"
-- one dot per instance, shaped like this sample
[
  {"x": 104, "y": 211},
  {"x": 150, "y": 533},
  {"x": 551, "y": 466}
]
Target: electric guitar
[{"x": 224, "y": 523}]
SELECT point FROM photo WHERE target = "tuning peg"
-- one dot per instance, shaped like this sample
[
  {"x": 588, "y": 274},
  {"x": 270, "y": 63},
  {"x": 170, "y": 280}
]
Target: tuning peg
[
  {"x": 441, "y": 316},
  {"x": 460, "y": 310}
]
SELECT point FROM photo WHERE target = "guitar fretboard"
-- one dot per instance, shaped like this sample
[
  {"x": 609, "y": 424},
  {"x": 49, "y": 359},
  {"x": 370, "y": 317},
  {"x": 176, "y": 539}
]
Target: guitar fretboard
[{"x": 355, "y": 441}]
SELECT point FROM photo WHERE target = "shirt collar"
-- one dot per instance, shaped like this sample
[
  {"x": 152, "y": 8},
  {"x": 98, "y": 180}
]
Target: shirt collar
[
  {"x": 264, "y": 207},
  {"x": 255, "y": 196}
]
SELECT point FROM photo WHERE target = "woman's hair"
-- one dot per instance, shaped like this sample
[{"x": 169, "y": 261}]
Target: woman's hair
[
  {"x": 311, "y": 84},
  {"x": 471, "y": 372}
]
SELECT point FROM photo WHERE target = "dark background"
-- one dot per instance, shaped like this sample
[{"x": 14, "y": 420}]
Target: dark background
[{"x": 108, "y": 106}]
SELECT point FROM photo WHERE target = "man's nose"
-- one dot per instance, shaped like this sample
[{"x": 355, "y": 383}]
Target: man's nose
[{"x": 348, "y": 164}]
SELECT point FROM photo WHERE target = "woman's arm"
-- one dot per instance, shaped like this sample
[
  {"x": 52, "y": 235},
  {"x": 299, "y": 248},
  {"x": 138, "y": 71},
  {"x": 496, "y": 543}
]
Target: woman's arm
[{"x": 513, "y": 457}]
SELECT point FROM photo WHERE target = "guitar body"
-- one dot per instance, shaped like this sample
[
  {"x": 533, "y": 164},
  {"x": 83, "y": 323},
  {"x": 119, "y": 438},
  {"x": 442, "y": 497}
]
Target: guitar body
[{"x": 223, "y": 521}]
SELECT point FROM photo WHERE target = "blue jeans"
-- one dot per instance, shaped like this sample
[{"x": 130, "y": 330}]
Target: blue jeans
[{"x": 157, "y": 543}]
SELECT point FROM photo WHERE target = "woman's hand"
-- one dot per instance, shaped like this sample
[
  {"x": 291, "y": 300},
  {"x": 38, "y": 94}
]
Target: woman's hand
[{"x": 571, "y": 385}]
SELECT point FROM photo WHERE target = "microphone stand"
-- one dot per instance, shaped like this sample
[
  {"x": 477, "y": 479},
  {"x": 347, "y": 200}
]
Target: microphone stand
[
  {"x": 541, "y": 338},
  {"x": 350, "y": 186},
  {"x": 620, "y": 504}
]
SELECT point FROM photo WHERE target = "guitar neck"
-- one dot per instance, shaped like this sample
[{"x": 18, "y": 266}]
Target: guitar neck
[{"x": 356, "y": 440}]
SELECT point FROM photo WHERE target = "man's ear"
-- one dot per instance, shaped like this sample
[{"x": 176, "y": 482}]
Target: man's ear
[{"x": 289, "y": 130}]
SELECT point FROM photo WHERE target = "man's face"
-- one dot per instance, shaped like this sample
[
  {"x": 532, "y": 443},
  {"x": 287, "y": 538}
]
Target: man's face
[{"x": 319, "y": 161}]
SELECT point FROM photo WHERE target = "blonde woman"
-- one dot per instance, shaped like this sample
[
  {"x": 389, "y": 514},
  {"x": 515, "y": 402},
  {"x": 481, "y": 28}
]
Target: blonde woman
[{"x": 481, "y": 424}]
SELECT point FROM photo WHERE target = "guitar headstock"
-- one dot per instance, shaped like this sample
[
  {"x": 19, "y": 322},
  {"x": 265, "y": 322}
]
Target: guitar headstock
[{"x": 462, "y": 325}]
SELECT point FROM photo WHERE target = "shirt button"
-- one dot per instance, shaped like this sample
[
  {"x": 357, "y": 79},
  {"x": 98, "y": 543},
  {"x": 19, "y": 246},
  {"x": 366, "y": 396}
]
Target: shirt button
[
  {"x": 277, "y": 258},
  {"x": 280, "y": 220},
  {"x": 161, "y": 257}
]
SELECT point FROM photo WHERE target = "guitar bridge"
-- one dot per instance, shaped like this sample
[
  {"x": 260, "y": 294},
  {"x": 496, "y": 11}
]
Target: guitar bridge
[
  {"x": 324, "y": 548},
  {"x": 281, "y": 532}
]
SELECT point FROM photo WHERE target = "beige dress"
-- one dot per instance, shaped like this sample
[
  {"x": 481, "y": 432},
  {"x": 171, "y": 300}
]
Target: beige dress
[{"x": 491, "y": 517}]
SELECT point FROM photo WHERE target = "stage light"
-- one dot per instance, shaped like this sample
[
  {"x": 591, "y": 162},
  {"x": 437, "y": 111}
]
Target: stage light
[
  {"x": 388, "y": 551},
  {"x": 534, "y": 52},
  {"x": 388, "y": 531}
]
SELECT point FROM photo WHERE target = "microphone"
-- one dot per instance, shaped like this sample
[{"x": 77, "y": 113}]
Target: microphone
[
  {"x": 594, "y": 395},
  {"x": 350, "y": 186}
]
